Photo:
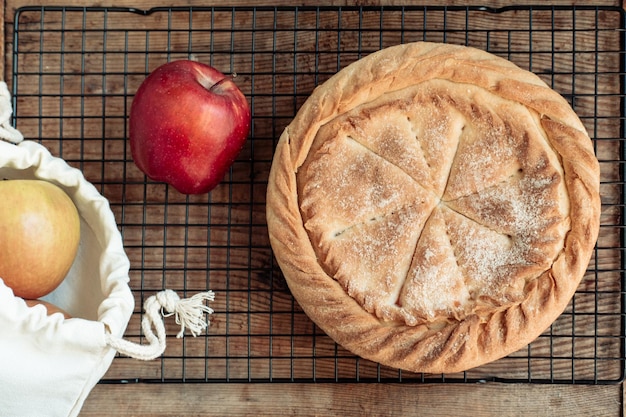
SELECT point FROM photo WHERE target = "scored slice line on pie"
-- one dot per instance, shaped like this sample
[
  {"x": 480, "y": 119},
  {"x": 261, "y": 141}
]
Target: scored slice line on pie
[{"x": 433, "y": 207}]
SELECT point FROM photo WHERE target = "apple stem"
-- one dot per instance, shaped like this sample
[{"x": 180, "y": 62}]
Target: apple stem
[{"x": 227, "y": 77}]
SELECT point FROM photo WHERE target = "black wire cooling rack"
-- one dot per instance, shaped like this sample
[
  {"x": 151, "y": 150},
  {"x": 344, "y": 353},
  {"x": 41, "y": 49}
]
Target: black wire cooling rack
[{"x": 74, "y": 73}]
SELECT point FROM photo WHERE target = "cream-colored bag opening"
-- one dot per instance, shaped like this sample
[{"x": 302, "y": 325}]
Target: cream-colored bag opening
[{"x": 48, "y": 364}]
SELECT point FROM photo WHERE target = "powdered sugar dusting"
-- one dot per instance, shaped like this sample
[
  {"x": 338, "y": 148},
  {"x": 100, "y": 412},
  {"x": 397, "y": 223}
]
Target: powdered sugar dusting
[{"x": 482, "y": 202}]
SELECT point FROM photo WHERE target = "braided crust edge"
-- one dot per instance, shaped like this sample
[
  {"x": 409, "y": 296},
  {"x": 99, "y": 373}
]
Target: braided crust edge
[{"x": 477, "y": 339}]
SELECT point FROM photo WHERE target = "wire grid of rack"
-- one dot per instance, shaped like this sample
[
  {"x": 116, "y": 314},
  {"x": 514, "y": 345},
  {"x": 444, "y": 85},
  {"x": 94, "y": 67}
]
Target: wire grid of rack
[{"x": 74, "y": 73}]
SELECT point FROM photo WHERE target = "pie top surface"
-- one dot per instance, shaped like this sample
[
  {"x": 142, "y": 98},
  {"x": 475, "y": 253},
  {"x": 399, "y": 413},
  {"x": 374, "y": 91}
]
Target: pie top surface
[{"x": 433, "y": 207}]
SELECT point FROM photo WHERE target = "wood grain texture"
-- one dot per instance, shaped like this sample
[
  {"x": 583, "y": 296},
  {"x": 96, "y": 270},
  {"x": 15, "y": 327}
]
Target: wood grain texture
[
  {"x": 12, "y": 5},
  {"x": 362, "y": 400},
  {"x": 230, "y": 399}
]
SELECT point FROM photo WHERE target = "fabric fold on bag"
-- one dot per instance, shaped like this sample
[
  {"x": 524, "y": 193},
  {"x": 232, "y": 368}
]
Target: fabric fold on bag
[{"x": 49, "y": 364}]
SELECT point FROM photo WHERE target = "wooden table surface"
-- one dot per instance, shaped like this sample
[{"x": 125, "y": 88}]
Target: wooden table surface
[{"x": 327, "y": 398}]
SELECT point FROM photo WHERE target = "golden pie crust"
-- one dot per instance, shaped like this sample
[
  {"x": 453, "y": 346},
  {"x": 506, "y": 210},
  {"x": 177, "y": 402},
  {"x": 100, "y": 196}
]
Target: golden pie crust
[{"x": 433, "y": 207}]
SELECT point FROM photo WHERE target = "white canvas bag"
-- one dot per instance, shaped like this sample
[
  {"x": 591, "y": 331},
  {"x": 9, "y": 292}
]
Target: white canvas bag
[{"x": 48, "y": 364}]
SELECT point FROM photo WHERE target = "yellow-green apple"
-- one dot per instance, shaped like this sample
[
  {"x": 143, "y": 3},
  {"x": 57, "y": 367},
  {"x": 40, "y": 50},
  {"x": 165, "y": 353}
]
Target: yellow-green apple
[
  {"x": 39, "y": 236},
  {"x": 187, "y": 124}
]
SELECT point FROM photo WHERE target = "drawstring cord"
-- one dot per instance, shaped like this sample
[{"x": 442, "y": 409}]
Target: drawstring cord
[{"x": 188, "y": 313}]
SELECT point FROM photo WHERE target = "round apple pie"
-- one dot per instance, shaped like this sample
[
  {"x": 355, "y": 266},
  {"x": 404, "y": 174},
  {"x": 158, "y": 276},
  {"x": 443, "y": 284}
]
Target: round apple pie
[{"x": 433, "y": 207}]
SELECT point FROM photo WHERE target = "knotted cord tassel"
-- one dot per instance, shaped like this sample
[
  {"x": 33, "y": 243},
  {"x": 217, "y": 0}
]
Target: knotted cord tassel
[{"x": 189, "y": 313}]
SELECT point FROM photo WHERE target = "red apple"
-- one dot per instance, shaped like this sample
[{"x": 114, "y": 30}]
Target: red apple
[{"x": 188, "y": 122}]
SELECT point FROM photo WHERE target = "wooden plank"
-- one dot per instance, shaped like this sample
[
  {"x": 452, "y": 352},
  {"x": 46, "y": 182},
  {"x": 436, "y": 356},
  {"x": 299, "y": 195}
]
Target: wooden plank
[
  {"x": 12, "y": 5},
  {"x": 162, "y": 399},
  {"x": 156, "y": 400}
]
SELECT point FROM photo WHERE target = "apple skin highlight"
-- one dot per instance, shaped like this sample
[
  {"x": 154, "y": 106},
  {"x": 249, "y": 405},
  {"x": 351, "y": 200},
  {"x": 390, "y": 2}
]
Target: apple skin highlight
[
  {"x": 40, "y": 235},
  {"x": 187, "y": 124}
]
